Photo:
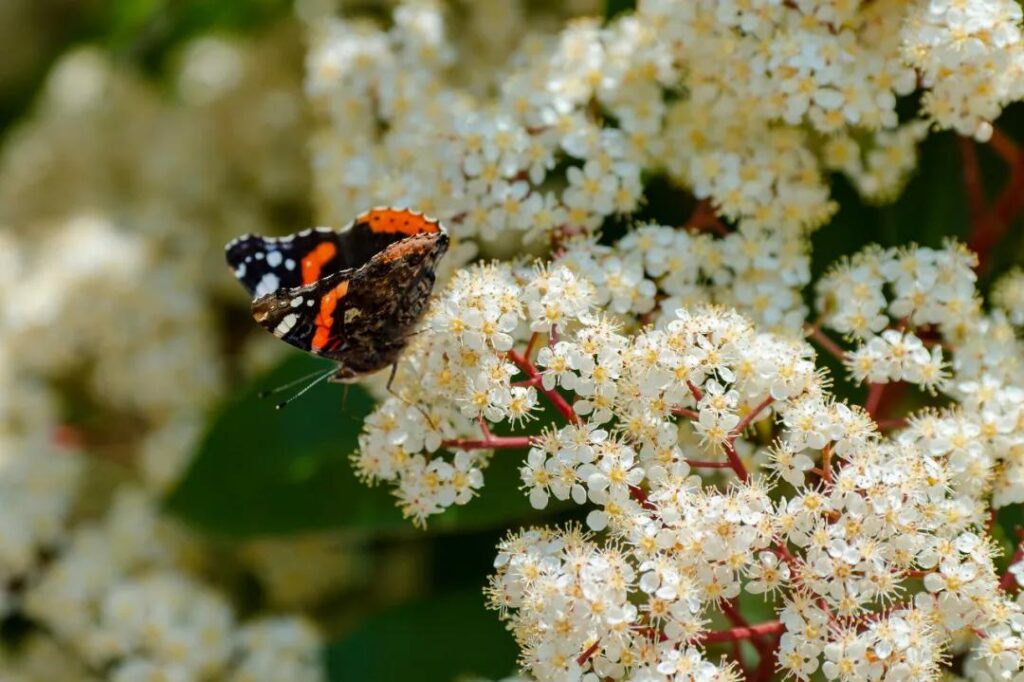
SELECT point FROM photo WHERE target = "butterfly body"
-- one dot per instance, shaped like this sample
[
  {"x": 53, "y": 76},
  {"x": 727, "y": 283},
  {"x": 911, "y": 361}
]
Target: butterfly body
[{"x": 354, "y": 295}]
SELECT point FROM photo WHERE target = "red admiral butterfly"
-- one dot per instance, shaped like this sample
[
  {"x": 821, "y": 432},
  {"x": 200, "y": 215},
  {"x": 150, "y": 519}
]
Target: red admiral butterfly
[{"x": 353, "y": 295}]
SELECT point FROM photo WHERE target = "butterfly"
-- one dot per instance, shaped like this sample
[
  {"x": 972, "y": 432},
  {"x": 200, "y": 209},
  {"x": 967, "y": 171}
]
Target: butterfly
[{"x": 353, "y": 295}]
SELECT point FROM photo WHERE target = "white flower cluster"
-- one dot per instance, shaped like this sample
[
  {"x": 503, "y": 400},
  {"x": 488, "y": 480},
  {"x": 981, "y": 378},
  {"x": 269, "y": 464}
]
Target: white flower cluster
[
  {"x": 970, "y": 56},
  {"x": 117, "y": 597},
  {"x": 462, "y": 376},
  {"x": 888, "y": 298},
  {"x": 109, "y": 359},
  {"x": 874, "y": 546},
  {"x": 38, "y": 482},
  {"x": 656, "y": 269},
  {"x": 747, "y": 105},
  {"x": 1008, "y": 295},
  {"x": 489, "y": 173}
]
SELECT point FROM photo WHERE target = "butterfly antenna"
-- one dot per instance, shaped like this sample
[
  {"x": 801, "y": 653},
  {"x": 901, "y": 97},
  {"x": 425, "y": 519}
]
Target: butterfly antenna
[
  {"x": 310, "y": 385},
  {"x": 285, "y": 387}
]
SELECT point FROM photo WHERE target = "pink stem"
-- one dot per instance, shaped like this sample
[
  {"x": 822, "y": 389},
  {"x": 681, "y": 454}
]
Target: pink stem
[
  {"x": 553, "y": 396},
  {"x": 745, "y": 422},
  {"x": 874, "y": 399},
  {"x": 827, "y": 344},
  {"x": 492, "y": 443}
]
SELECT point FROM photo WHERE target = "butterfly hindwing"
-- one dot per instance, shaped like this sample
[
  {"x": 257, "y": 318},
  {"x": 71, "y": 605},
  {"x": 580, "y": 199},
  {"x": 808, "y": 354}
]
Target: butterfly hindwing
[{"x": 308, "y": 317}]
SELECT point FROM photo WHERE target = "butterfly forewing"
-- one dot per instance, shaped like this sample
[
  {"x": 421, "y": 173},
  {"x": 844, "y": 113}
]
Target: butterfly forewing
[{"x": 354, "y": 295}]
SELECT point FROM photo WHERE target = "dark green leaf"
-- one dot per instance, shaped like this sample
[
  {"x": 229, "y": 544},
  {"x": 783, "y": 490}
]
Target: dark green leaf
[
  {"x": 265, "y": 471},
  {"x": 260, "y": 471},
  {"x": 613, "y": 8},
  {"x": 438, "y": 639}
]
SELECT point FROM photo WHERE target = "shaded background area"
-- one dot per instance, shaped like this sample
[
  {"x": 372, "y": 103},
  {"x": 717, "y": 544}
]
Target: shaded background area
[{"x": 282, "y": 523}]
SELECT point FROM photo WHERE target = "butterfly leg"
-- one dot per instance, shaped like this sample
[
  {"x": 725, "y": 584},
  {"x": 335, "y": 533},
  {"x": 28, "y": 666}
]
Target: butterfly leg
[
  {"x": 418, "y": 408},
  {"x": 391, "y": 377}
]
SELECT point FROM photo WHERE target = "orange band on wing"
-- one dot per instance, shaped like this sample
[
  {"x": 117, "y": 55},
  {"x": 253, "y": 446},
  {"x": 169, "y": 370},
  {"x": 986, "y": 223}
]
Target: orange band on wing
[
  {"x": 396, "y": 220},
  {"x": 325, "y": 317},
  {"x": 315, "y": 260}
]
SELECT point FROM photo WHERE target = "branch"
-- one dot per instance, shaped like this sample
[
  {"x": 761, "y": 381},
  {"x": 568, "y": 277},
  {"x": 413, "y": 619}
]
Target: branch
[
  {"x": 736, "y": 463},
  {"x": 742, "y": 632},
  {"x": 552, "y": 395},
  {"x": 874, "y": 398},
  {"x": 684, "y": 412},
  {"x": 990, "y": 228},
  {"x": 704, "y": 217},
  {"x": 972, "y": 179},
  {"x": 737, "y": 619},
  {"x": 491, "y": 443},
  {"x": 1003, "y": 145},
  {"x": 745, "y": 422},
  {"x": 707, "y": 464},
  {"x": 827, "y": 344}
]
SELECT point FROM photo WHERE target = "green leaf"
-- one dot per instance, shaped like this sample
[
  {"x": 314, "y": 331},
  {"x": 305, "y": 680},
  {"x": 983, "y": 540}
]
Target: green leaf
[
  {"x": 263, "y": 471},
  {"x": 438, "y": 639},
  {"x": 931, "y": 208},
  {"x": 613, "y": 8},
  {"x": 260, "y": 471}
]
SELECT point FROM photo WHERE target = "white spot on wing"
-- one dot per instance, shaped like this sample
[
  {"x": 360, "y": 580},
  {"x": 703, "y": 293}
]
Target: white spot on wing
[
  {"x": 286, "y": 324},
  {"x": 296, "y": 302},
  {"x": 274, "y": 258},
  {"x": 268, "y": 284},
  {"x": 240, "y": 270},
  {"x": 290, "y": 264}
]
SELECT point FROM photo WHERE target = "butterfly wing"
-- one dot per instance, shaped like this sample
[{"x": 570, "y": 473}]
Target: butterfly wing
[
  {"x": 306, "y": 316},
  {"x": 266, "y": 264},
  {"x": 360, "y": 317}
]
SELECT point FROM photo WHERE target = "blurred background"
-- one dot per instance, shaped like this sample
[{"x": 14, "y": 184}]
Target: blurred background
[{"x": 156, "y": 517}]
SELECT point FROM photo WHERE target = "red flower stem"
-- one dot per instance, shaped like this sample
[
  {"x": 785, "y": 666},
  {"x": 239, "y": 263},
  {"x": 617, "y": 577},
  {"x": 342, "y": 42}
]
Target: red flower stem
[
  {"x": 742, "y": 632},
  {"x": 990, "y": 228},
  {"x": 553, "y": 396},
  {"x": 1003, "y": 145},
  {"x": 585, "y": 656},
  {"x": 827, "y": 344},
  {"x": 528, "y": 353},
  {"x": 491, "y": 443},
  {"x": 736, "y": 463},
  {"x": 640, "y": 495},
  {"x": 737, "y": 619},
  {"x": 874, "y": 399},
  {"x": 695, "y": 390},
  {"x": 766, "y": 668},
  {"x": 684, "y": 412},
  {"x": 730, "y": 449},
  {"x": 745, "y": 422},
  {"x": 889, "y": 424},
  {"x": 972, "y": 179},
  {"x": 706, "y": 464},
  {"x": 826, "y": 463},
  {"x": 704, "y": 217}
]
